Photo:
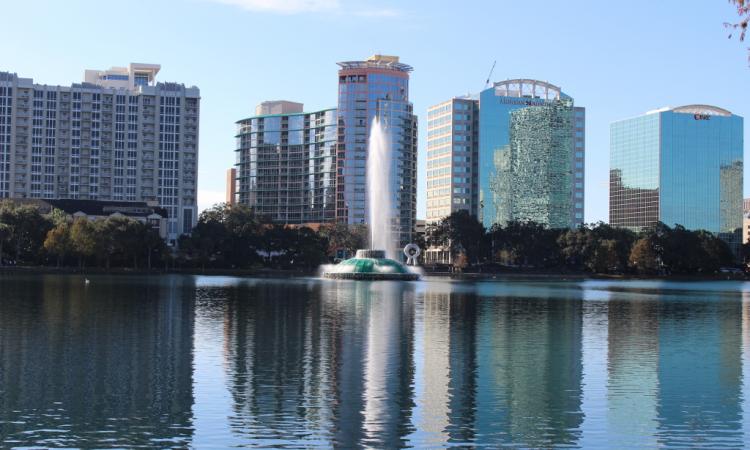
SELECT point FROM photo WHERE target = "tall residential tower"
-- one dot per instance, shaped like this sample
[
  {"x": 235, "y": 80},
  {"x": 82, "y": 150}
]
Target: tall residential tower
[
  {"x": 377, "y": 87},
  {"x": 119, "y": 135},
  {"x": 286, "y": 163}
]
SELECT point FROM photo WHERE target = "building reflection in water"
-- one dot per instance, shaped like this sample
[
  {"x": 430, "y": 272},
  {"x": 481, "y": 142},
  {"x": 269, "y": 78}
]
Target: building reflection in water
[
  {"x": 106, "y": 364},
  {"x": 445, "y": 401},
  {"x": 308, "y": 363},
  {"x": 700, "y": 369},
  {"x": 530, "y": 368},
  {"x": 633, "y": 379},
  {"x": 222, "y": 362}
]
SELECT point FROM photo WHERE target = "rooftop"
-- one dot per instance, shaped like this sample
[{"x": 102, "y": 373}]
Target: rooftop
[
  {"x": 696, "y": 109},
  {"x": 377, "y": 62},
  {"x": 278, "y": 107},
  {"x": 527, "y": 88}
]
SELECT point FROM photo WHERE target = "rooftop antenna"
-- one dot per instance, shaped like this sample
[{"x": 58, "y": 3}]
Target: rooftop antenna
[{"x": 489, "y": 77}]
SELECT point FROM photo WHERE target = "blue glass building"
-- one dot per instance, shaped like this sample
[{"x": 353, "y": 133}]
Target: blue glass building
[
  {"x": 678, "y": 166},
  {"x": 376, "y": 87},
  {"x": 496, "y": 106}
]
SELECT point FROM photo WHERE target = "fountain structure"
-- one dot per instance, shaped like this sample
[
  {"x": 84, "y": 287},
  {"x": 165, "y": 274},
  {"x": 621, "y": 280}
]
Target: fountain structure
[{"x": 377, "y": 263}]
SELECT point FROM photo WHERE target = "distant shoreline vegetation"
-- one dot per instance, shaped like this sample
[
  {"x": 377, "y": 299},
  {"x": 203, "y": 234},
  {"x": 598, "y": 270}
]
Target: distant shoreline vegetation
[
  {"x": 234, "y": 238},
  {"x": 596, "y": 248}
]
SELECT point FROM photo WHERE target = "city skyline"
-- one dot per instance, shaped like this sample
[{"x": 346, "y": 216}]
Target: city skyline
[{"x": 653, "y": 67}]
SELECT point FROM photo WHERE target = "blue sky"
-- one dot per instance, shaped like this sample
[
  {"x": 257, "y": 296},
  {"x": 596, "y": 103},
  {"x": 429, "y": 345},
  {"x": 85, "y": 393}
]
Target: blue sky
[{"x": 618, "y": 59}]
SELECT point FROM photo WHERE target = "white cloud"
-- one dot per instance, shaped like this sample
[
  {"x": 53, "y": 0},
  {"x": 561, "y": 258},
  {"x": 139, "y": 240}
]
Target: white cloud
[
  {"x": 207, "y": 199},
  {"x": 310, "y": 6}
]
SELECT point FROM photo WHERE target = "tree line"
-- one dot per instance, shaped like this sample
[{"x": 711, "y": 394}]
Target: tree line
[
  {"x": 30, "y": 238},
  {"x": 596, "y": 248},
  {"x": 225, "y": 237},
  {"x": 235, "y": 237}
]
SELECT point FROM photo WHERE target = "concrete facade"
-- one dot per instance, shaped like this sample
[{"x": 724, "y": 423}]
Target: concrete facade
[{"x": 118, "y": 136}]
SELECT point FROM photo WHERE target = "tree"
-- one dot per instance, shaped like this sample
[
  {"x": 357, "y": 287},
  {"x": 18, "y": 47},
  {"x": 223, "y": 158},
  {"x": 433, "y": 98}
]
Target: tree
[
  {"x": 57, "y": 216},
  {"x": 305, "y": 248},
  {"x": 604, "y": 258},
  {"x": 106, "y": 240},
  {"x": 740, "y": 27},
  {"x": 598, "y": 248},
  {"x": 58, "y": 241},
  {"x": 460, "y": 262},
  {"x": 83, "y": 238},
  {"x": 153, "y": 243},
  {"x": 643, "y": 257},
  {"x": 5, "y": 232},
  {"x": 526, "y": 243},
  {"x": 130, "y": 236},
  {"x": 460, "y": 232},
  {"x": 28, "y": 230},
  {"x": 225, "y": 235},
  {"x": 344, "y": 237}
]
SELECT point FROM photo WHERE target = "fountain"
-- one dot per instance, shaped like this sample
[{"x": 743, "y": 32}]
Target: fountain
[{"x": 380, "y": 264}]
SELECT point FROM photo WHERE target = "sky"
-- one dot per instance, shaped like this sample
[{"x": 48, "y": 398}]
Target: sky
[{"x": 617, "y": 59}]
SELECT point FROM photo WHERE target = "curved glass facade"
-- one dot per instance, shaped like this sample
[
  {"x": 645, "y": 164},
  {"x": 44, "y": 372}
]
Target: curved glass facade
[
  {"x": 286, "y": 166},
  {"x": 368, "y": 89},
  {"x": 497, "y": 193},
  {"x": 534, "y": 172},
  {"x": 678, "y": 168}
]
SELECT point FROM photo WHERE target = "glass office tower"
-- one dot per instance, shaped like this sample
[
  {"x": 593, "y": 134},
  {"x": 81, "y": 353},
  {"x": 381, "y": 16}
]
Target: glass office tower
[
  {"x": 678, "y": 166},
  {"x": 534, "y": 172},
  {"x": 496, "y": 193},
  {"x": 378, "y": 86},
  {"x": 286, "y": 163}
]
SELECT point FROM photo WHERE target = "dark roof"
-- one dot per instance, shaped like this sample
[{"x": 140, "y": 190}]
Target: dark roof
[{"x": 106, "y": 208}]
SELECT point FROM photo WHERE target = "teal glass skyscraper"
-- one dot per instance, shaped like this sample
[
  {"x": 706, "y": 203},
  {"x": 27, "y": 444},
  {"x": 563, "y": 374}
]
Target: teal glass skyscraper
[
  {"x": 534, "y": 172},
  {"x": 678, "y": 166},
  {"x": 531, "y": 155}
]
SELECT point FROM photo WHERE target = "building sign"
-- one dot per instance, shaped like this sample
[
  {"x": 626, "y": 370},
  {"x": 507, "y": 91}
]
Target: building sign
[
  {"x": 701, "y": 117},
  {"x": 524, "y": 102}
]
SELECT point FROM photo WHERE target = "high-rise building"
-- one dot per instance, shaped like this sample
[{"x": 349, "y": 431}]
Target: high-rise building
[
  {"x": 678, "y": 166},
  {"x": 286, "y": 163},
  {"x": 119, "y": 135},
  {"x": 511, "y": 143},
  {"x": 231, "y": 192},
  {"x": 377, "y": 87},
  {"x": 534, "y": 172},
  {"x": 452, "y": 158}
]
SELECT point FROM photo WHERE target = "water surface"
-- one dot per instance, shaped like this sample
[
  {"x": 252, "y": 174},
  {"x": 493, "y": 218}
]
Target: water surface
[{"x": 216, "y": 362}]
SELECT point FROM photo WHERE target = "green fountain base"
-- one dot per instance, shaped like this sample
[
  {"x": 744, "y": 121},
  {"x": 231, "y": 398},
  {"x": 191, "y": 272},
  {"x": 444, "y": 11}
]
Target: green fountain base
[{"x": 370, "y": 265}]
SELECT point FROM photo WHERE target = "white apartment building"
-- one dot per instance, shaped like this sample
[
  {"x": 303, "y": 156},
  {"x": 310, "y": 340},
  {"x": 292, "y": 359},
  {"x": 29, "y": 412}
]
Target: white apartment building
[{"x": 119, "y": 135}]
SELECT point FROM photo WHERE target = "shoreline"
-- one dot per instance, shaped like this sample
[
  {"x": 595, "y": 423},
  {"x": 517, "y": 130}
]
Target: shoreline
[{"x": 294, "y": 273}]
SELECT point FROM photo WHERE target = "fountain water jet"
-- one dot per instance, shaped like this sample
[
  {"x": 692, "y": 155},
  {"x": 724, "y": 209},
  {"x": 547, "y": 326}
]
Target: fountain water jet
[
  {"x": 376, "y": 263},
  {"x": 379, "y": 185}
]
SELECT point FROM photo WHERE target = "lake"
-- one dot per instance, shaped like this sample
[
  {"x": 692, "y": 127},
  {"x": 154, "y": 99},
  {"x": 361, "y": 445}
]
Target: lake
[{"x": 215, "y": 362}]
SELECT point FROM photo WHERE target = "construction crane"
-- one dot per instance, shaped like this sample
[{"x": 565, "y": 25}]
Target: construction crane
[{"x": 489, "y": 77}]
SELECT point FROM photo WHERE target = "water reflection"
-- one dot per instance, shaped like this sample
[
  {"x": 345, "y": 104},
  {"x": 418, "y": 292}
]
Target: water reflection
[
  {"x": 219, "y": 362},
  {"x": 104, "y": 364}
]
